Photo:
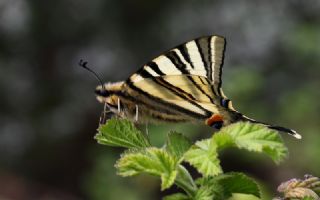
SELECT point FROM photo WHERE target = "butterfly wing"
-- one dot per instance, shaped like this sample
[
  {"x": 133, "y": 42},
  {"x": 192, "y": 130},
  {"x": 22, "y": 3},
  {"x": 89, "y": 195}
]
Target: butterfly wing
[
  {"x": 201, "y": 57},
  {"x": 185, "y": 79}
]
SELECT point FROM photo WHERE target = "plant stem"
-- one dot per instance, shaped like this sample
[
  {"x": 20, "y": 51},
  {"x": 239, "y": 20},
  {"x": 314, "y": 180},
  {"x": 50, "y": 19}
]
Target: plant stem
[{"x": 185, "y": 181}]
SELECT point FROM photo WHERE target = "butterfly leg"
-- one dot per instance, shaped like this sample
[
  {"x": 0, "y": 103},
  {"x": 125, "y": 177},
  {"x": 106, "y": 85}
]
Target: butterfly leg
[
  {"x": 103, "y": 115},
  {"x": 119, "y": 109},
  {"x": 137, "y": 113}
]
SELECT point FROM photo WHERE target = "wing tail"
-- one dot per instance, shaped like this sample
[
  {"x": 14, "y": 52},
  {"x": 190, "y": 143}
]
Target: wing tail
[{"x": 274, "y": 127}]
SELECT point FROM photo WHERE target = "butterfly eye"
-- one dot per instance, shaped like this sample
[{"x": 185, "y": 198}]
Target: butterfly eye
[
  {"x": 217, "y": 125},
  {"x": 102, "y": 92},
  {"x": 225, "y": 102}
]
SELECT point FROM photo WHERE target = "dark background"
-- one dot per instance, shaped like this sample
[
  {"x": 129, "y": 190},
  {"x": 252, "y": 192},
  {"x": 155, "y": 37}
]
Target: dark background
[{"x": 49, "y": 113}]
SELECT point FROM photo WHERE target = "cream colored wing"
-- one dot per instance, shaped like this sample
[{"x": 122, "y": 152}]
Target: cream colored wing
[{"x": 201, "y": 57}]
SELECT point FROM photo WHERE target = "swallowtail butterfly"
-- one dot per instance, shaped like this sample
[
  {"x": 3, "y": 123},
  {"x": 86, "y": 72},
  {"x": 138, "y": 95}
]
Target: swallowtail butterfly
[{"x": 181, "y": 85}]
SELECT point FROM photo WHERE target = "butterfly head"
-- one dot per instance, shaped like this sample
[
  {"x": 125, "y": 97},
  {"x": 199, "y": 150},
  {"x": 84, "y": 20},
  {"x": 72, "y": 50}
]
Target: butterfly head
[{"x": 108, "y": 93}]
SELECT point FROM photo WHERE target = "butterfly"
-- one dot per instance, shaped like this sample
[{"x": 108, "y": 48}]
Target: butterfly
[{"x": 181, "y": 85}]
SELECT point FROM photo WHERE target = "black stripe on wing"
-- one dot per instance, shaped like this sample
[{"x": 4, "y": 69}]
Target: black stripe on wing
[
  {"x": 176, "y": 61},
  {"x": 203, "y": 45},
  {"x": 144, "y": 73},
  {"x": 155, "y": 68},
  {"x": 184, "y": 52}
]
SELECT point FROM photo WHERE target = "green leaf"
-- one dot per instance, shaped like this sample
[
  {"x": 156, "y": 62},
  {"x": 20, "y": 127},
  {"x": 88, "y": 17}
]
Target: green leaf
[
  {"x": 237, "y": 183},
  {"x": 252, "y": 137},
  {"x": 121, "y": 133},
  {"x": 209, "y": 189},
  {"x": 151, "y": 160},
  {"x": 203, "y": 156},
  {"x": 177, "y": 144},
  {"x": 177, "y": 196}
]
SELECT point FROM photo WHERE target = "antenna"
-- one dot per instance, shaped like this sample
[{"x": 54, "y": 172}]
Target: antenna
[{"x": 83, "y": 64}]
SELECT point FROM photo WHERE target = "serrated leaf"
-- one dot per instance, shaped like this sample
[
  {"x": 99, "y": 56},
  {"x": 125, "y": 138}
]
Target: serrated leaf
[
  {"x": 237, "y": 183},
  {"x": 252, "y": 137},
  {"x": 177, "y": 144},
  {"x": 177, "y": 196},
  {"x": 121, "y": 133},
  {"x": 151, "y": 160},
  {"x": 204, "y": 157}
]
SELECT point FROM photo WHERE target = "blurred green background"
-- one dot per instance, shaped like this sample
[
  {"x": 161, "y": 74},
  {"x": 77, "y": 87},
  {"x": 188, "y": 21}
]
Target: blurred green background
[{"x": 49, "y": 114}]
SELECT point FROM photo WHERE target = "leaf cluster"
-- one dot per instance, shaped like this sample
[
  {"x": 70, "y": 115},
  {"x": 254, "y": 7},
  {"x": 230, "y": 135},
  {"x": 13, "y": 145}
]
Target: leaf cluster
[{"x": 167, "y": 162}]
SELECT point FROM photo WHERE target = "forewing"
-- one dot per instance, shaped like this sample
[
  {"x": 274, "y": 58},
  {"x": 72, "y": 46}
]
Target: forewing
[{"x": 201, "y": 57}]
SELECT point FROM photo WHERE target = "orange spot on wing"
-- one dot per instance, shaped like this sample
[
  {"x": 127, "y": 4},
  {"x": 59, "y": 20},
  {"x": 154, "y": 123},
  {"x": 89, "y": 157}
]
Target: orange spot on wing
[{"x": 214, "y": 118}]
